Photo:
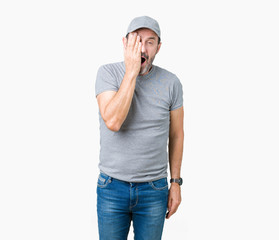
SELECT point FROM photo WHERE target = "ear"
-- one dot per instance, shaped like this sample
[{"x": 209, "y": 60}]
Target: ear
[{"x": 158, "y": 48}]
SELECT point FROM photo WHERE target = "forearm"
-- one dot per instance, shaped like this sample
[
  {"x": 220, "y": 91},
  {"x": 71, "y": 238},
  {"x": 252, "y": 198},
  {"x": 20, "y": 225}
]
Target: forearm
[
  {"x": 117, "y": 109},
  {"x": 175, "y": 155}
]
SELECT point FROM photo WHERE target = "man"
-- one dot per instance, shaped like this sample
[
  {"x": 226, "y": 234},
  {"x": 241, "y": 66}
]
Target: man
[{"x": 140, "y": 109}]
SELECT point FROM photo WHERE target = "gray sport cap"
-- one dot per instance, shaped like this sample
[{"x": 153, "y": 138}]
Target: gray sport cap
[{"x": 144, "y": 22}]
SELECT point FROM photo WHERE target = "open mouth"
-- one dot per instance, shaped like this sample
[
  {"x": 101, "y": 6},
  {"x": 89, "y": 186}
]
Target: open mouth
[{"x": 143, "y": 59}]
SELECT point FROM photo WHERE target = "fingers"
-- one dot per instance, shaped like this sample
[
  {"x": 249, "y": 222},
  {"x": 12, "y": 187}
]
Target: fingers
[
  {"x": 172, "y": 211},
  {"x": 132, "y": 39},
  {"x": 138, "y": 45},
  {"x": 132, "y": 53},
  {"x": 134, "y": 42},
  {"x": 172, "y": 207}
]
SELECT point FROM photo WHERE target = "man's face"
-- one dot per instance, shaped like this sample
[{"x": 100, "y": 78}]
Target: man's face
[{"x": 150, "y": 48}]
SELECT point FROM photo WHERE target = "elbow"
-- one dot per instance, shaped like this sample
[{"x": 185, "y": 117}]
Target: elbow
[
  {"x": 112, "y": 123},
  {"x": 113, "y": 126},
  {"x": 177, "y": 135}
]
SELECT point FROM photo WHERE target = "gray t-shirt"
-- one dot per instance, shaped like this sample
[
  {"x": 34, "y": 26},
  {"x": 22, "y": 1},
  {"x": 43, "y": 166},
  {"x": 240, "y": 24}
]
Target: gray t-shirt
[{"x": 138, "y": 151}]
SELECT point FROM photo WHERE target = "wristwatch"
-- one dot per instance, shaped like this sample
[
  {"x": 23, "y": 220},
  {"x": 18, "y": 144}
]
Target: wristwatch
[{"x": 177, "y": 180}]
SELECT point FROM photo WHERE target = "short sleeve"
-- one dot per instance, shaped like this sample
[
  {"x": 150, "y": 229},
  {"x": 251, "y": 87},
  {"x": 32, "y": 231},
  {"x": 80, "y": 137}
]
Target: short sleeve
[
  {"x": 105, "y": 80},
  {"x": 176, "y": 95}
]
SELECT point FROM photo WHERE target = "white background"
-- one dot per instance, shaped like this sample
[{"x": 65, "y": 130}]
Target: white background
[{"x": 226, "y": 55}]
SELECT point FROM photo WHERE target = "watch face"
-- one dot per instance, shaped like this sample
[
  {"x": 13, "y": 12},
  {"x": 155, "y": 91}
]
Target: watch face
[{"x": 180, "y": 181}]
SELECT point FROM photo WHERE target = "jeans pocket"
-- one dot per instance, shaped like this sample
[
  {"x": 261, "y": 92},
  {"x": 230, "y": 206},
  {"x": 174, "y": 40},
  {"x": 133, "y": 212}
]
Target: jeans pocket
[
  {"x": 160, "y": 184},
  {"x": 103, "y": 180}
]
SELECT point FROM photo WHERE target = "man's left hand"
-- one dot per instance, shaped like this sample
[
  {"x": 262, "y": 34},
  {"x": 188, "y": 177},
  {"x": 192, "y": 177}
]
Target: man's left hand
[{"x": 174, "y": 199}]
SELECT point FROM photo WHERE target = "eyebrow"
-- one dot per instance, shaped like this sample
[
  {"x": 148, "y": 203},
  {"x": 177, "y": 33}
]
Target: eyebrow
[{"x": 151, "y": 38}]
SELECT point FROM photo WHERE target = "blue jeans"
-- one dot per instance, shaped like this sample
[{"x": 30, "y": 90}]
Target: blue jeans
[{"x": 119, "y": 203}]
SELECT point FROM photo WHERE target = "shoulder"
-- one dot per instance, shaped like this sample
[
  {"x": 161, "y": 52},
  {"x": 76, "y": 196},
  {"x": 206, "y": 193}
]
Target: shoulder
[
  {"x": 167, "y": 75},
  {"x": 111, "y": 67}
]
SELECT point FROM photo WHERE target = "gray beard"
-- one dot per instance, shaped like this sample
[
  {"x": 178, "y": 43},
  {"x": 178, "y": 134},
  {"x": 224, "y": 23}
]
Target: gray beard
[{"x": 147, "y": 67}]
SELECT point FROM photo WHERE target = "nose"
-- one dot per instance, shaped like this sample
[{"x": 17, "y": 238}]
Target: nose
[{"x": 143, "y": 48}]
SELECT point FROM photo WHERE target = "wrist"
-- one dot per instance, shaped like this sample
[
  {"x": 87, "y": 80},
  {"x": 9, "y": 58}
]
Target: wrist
[
  {"x": 131, "y": 75},
  {"x": 178, "y": 181},
  {"x": 174, "y": 184}
]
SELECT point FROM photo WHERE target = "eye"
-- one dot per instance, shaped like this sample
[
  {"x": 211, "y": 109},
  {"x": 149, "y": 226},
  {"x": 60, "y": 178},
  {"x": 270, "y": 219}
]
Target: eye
[{"x": 150, "y": 42}]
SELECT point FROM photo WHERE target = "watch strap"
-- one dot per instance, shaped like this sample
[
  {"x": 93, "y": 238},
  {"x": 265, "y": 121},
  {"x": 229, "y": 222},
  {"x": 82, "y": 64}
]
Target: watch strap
[{"x": 176, "y": 180}]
